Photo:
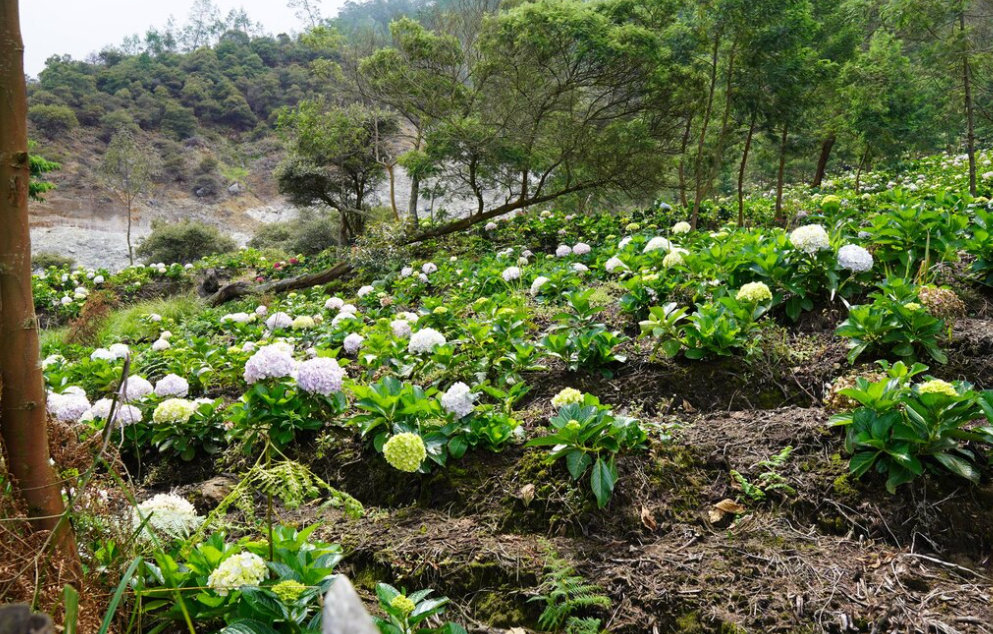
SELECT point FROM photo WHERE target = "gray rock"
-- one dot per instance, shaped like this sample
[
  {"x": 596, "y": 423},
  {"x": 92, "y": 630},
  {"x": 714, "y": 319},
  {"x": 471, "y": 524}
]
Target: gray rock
[
  {"x": 344, "y": 612},
  {"x": 18, "y": 619}
]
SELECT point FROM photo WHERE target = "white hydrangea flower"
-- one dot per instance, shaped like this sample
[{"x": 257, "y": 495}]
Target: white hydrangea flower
[
  {"x": 852, "y": 257},
  {"x": 269, "y": 362},
  {"x": 425, "y": 340},
  {"x": 243, "y": 569},
  {"x": 98, "y": 279},
  {"x": 567, "y": 396},
  {"x": 681, "y": 227},
  {"x": 278, "y": 321},
  {"x": 66, "y": 300},
  {"x": 580, "y": 268},
  {"x": 348, "y": 309},
  {"x": 262, "y": 310},
  {"x": 161, "y": 344},
  {"x": 400, "y": 328},
  {"x": 511, "y": 273},
  {"x": 334, "y": 303},
  {"x": 69, "y": 406},
  {"x": 428, "y": 268},
  {"x": 626, "y": 240},
  {"x": 538, "y": 282},
  {"x": 674, "y": 258},
  {"x": 656, "y": 244},
  {"x": 422, "y": 277},
  {"x": 303, "y": 322},
  {"x": 237, "y": 318},
  {"x": 458, "y": 400},
  {"x": 581, "y": 248},
  {"x": 353, "y": 342},
  {"x": 409, "y": 316},
  {"x": 491, "y": 226},
  {"x": 406, "y": 271},
  {"x": 321, "y": 375},
  {"x": 172, "y": 385},
  {"x": 52, "y": 359},
  {"x": 165, "y": 335},
  {"x": 365, "y": 290},
  {"x": 340, "y": 317},
  {"x": 810, "y": 239},
  {"x": 168, "y": 515},
  {"x": 155, "y": 317},
  {"x": 102, "y": 354},
  {"x": 137, "y": 388},
  {"x": 563, "y": 250},
  {"x": 614, "y": 264}
]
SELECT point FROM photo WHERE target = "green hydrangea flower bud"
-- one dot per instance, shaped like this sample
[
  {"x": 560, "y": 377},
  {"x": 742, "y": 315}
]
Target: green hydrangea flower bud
[
  {"x": 403, "y": 604},
  {"x": 405, "y": 452},
  {"x": 288, "y": 591}
]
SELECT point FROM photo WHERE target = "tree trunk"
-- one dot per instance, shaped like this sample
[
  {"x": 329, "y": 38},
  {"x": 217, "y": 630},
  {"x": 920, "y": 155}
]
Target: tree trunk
[
  {"x": 858, "y": 171},
  {"x": 130, "y": 250},
  {"x": 779, "y": 178},
  {"x": 718, "y": 154},
  {"x": 393, "y": 191},
  {"x": 698, "y": 175},
  {"x": 23, "y": 420},
  {"x": 822, "y": 161},
  {"x": 970, "y": 123},
  {"x": 682, "y": 160},
  {"x": 741, "y": 173},
  {"x": 415, "y": 190}
]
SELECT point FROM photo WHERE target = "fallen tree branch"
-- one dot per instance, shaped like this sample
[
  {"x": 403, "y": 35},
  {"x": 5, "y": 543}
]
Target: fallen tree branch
[
  {"x": 340, "y": 269},
  {"x": 242, "y": 289}
]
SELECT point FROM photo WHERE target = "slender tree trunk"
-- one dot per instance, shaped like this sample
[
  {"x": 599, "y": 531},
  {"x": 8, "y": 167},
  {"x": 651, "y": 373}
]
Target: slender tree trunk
[
  {"x": 415, "y": 188},
  {"x": 781, "y": 175},
  {"x": 697, "y": 198},
  {"x": 718, "y": 154},
  {"x": 822, "y": 161},
  {"x": 858, "y": 171},
  {"x": 23, "y": 420},
  {"x": 682, "y": 160},
  {"x": 393, "y": 192},
  {"x": 130, "y": 250},
  {"x": 970, "y": 123},
  {"x": 741, "y": 172}
]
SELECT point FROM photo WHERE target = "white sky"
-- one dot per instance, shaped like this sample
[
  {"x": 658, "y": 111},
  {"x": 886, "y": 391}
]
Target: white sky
[{"x": 80, "y": 27}]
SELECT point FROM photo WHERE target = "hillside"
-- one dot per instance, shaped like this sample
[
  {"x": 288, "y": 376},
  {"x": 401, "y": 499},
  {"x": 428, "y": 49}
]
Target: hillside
[{"x": 672, "y": 428}]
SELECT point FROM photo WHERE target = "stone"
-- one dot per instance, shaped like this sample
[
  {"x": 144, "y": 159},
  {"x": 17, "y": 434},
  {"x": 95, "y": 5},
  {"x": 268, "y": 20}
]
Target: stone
[
  {"x": 18, "y": 619},
  {"x": 344, "y": 612}
]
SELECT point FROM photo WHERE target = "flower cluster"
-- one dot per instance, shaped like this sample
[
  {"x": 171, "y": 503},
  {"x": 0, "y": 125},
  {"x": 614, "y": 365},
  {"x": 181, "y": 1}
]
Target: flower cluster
[
  {"x": 568, "y": 396},
  {"x": 303, "y": 322},
  {"x": 269, "y": 362},
  {"x": 172, "y": 385},
  {"x": 753, "y": 293},
  {"x": 458, "y": 400},
  {"x": 352, "y": 343},
  {"x": 425, "y": 340},
  {"x": 941, "y": 302},
  {"x": 538, "y": 282},
  {"x": 288, "y": 591},
  {"x": 854, "y": 258},
  {"x": 320, "y": 376},
  {"x": 403, "y": 604},
  {"x": 681, "y": 227},
  {"x": 656, "y": 244},
  {"x": 174, "y": 410},
  {"x": 563, "y": 250},
  {"x": 168, "y": 515},
  {"x": 243, "y": 569},
  {"x": 137, "y": 388},
  {"x": 937, "y": 386},
  {"x": 278, "y": 321},
  {"x": 511, "y": 273},
  {"x": 69, "y": 406},
  {"x": 614, "y": 264},
  {"x": 405, "y": 452},
  {"x": 581, "y": 248},
  {"x": 400, "y": 328},
  {"x": 674, "y": 258},
  {"x": 810, "y": 239}
]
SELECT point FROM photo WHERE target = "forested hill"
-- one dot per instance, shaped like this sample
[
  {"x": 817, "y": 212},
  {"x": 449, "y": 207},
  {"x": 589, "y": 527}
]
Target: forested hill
[{"x": 558, "y": 102}]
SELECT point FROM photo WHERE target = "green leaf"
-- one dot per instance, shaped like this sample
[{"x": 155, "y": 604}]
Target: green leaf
[
  {"x": 248, "y": 626},
  {"x": 958, "y": 466},
  {"x": 602, "y": 482},
  {"x": 577, "y": 462},
  {"x": 861, "y": 462}
]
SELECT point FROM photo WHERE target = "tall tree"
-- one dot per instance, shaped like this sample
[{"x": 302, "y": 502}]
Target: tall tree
[
  {"x": 127, "y": 172},
  {"x": 23, "y": 420}
]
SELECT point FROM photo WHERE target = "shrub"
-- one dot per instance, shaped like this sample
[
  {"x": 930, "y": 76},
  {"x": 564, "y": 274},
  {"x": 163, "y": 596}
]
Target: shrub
[
  {"x": 205, "y": 186},
  {"x": 46, "y": 259},
  {"x": 53, "y": 120},
  {"x": 274, "y": 235},
  {"x": 183, "y": 242}
]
